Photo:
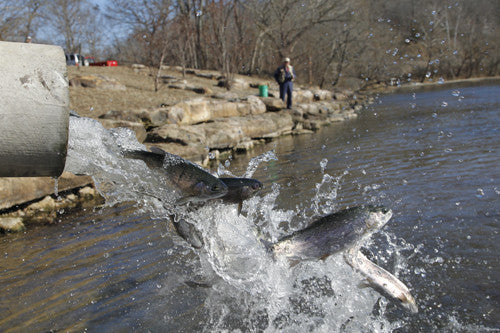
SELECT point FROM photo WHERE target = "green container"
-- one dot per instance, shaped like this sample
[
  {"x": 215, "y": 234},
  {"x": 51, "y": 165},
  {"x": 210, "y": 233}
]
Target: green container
[{"x": 263, "y": 91}]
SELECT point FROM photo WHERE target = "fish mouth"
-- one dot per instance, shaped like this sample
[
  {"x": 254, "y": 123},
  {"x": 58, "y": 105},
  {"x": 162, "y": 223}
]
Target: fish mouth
[
  {"x": 409, "y": 303},
  {"x": 378, "y": 217}
]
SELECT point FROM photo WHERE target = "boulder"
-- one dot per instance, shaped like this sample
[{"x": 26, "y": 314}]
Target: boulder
[
  {"x": 193, "y": 152},
  {"x": 227, "y": 95},
  {"x": 96, "y": 81},
  {"x": 138, "y": 66},
  {"x": 138, "y": 128},
  {"x": 11, "y": 224},
  {"x": 223, "y": 134},
  {"x": 322, "y": 95},
  {"x": 273, "y": 104},
  {"x": 303, "y": 96},
  {"x": 256, "y": 105},
  {"x": 16, "y": 191},
  {"x": 179, "y": 134},
  {"x": 190, "y": 112}
]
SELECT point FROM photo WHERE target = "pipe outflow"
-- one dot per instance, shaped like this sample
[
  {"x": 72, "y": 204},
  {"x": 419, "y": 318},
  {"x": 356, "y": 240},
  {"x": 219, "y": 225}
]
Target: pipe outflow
[{"x": 34, "y": 110}]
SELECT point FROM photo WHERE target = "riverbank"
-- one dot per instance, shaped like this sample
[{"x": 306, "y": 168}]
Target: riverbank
[{"x": 192, "y": 114}]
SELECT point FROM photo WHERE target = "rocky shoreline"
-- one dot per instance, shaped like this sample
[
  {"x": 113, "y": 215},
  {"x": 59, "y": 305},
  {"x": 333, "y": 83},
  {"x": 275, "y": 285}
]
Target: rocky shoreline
[{"x": 214, "y": 122}]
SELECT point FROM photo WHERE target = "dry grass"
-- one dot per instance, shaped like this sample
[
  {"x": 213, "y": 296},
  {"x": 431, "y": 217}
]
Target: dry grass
[{"x": 140, "y": 94}]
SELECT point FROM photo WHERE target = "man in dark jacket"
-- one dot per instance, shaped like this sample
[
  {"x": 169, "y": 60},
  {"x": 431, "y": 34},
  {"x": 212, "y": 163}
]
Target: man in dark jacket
[{"x": 285, "y": 75}]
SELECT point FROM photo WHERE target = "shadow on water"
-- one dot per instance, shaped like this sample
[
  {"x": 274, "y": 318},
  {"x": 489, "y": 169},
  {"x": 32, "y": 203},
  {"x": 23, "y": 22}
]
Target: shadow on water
[{"x": 432, "y": 157}]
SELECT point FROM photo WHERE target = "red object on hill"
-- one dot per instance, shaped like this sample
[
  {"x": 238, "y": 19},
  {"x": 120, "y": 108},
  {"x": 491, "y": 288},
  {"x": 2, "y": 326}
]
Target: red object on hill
[{"x": 108, "y": 63}]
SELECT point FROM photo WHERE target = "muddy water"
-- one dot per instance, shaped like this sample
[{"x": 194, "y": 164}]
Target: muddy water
[{"x": 432, "y": 157}]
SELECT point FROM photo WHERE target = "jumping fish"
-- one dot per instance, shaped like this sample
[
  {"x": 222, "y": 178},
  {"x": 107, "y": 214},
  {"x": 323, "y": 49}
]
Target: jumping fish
[
  {"x": 195, "y": 183},
  {"x": 346, "y": 230},
  {"x": 240, "y": 189},
  {"x": 332, "y": 233},
  {"x": 381, "y": 279}
]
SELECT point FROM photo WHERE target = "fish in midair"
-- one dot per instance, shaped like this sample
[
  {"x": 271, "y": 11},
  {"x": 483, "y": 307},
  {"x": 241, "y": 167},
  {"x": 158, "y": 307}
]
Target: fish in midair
[
  {"x": 240, "y": 189},
  {"x": 346, "y": 230},
  {"x": 195, "y": 184}
]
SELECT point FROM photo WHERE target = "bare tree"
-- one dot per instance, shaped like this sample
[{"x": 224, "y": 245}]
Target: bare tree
[{"x": 148, "y": 22}]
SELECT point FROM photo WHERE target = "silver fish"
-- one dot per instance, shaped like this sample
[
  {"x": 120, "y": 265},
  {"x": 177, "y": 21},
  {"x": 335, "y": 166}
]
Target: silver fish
[
  {"x": 381, "y": 279},
  {"x": 332, "y": 233}
]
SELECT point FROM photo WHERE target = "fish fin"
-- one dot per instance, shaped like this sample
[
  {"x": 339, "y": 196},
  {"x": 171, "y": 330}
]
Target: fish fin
[
  {"x": 151, "y": 159},
  {"x": 183, "y": 200},
  {"x": 158, "y": 150},
  {"x": 240, "y": 206},
  {"x": 364, "y": 284},
  {"x": 324, "y": 257},
  {"x": 267, "y": 244}
]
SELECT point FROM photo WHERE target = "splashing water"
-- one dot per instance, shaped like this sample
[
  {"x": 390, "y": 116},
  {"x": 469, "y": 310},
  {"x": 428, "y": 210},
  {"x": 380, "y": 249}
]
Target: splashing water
[{"x": 249, "y": 290}]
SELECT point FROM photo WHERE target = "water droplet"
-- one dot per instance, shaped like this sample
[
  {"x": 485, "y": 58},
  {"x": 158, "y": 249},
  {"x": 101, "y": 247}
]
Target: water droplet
[
  {"x": 407, "y": 41},
  {"x": 323, "y": 164},
  {"x": 444, "y": 104},
  {"x": 480, "y": 193},
  {"x": 158, "y": 286},
  {"x": 455, "y": 93}
]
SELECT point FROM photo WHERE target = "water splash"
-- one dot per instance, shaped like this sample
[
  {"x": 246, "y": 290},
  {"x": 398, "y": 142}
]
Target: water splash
[{"x": 248, "y": 289}]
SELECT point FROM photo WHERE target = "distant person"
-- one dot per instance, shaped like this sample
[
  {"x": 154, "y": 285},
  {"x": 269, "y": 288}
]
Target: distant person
[
  {"x": 28, "y": 39},
  {"x": 285, "y": 75}
]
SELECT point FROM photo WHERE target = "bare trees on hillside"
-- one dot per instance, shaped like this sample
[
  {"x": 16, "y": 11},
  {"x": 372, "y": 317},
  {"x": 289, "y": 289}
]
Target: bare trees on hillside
[{"x": 328, "y": 40}]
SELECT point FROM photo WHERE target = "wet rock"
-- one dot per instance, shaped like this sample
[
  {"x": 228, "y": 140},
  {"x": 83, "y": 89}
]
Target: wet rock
[
  {"x": 47, "y": 204},
  {"x": 11, "y": 224},
  {"x": 16, "y": 191},
  {"x": 138, "y": 128},
  {"x": 87, "y": 192}
]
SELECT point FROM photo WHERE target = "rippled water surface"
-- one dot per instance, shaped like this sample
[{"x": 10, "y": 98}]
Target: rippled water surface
[{"x": 432, "y": 157}]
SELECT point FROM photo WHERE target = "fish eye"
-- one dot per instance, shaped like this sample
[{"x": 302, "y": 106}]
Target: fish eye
[
  {"x": 256, "y": 186},
  {"x": 215, "y": 188}
]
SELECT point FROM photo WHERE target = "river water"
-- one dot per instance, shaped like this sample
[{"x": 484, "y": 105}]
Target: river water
[{"x": 432, "y": 157}]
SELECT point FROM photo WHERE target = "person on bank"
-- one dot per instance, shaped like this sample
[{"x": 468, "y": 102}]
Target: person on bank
[{"x": 284, "y": 75}]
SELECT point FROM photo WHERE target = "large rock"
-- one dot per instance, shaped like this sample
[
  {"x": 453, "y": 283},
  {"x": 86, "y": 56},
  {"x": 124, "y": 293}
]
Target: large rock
[
  {"x": 322, "y": 95},
  {"x": 256, "y": 105},
  {"x": 96, "y": 81},
  {"x": 12, "y": 224},
  {"x": 302, "y": 96},
  {"x": 194, "y": 152},
  {"x": 16, "y": 191},
  {"x": 224, "y": 133},
  {"x": 190, "y": 112},
  {"x": 179, "y": 134},
  {"x": 273, "y": 104},
  {"x": 138, "y": 128}
]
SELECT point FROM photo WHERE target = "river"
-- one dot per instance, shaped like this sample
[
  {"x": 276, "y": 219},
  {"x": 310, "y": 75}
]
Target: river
[{"x": 433, "y": 157}]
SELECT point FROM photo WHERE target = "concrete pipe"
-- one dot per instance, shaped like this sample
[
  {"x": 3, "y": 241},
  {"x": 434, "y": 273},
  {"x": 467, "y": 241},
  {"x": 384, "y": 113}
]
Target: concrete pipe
[{"x": 34, "y": 110}]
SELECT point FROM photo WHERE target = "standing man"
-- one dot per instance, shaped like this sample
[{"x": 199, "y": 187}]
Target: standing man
[{"x": 285, "y": 75}]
